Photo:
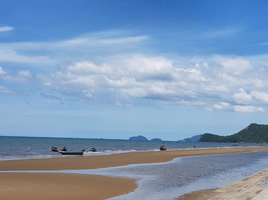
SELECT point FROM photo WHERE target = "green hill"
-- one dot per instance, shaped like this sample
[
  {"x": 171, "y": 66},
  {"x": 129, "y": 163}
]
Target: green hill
[{"x": 254, "y": 133}]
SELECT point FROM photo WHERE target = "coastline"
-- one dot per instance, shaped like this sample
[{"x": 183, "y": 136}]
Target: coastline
[
  {"x": 62, "y": 186},
  {"x": 253, "y": 187}
]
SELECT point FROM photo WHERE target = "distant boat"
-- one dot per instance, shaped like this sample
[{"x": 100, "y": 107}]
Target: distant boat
[
  {"x": 92, "y": 149},
  {"x": 162, "y": 147},
  {"x": 55, "y": 149},
  {"x": 72, "y": 152}
]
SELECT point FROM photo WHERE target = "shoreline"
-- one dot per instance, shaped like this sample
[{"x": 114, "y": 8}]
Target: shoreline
[
  {"x": 114, "y": 160},
  {"x": 97, "y": 187},
  {"x": 252, "y": 187}
]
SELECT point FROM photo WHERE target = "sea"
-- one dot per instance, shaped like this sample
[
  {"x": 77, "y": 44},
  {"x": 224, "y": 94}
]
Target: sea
[{"x": 157, "y": 181}]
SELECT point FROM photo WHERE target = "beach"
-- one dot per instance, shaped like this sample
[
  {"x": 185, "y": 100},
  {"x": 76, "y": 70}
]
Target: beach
[
  {"x": 78, "y": 186},
  {"x": 253, "y": 187}
]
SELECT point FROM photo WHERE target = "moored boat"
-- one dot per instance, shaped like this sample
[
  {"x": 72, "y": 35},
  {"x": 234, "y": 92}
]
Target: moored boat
[
  {"x": 72, "y": 152},
  {"x": 55, "y": 149},
  {"x": 162, "y": 147},
  {"x": 92, "y": 149}
]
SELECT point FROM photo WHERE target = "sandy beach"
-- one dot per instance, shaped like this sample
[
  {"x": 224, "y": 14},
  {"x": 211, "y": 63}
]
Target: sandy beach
[{"x": 27, "y": 186}]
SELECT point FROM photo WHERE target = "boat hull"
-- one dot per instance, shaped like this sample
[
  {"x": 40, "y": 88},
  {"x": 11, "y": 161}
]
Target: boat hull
[
  {"x": 92, "y": 150},
  {"x": 71, "y": 152}
]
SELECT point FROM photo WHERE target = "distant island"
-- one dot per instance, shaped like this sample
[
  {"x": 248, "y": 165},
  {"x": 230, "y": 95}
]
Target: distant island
[
  {"x": 195, "y": 138},
  {"x": 156, "y": 139},
  {"x": 254, "y": 133},
  {"x": 142, "y": 138},
  {"x": 139, "y": 137}
]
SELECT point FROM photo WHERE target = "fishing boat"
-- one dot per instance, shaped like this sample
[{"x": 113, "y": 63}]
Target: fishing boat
[
  {"x": 72, "y": 152},
  {"x": 92, "y": 149},
  {"x": 162, "y": 147},
  {"x": 55, "y": 149}
]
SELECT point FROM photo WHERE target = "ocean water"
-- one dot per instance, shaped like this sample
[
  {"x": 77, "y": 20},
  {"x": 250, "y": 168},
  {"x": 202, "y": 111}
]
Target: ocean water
[
  {"x": 157, "y": 181},
  {"x": 39, "y": 147}
]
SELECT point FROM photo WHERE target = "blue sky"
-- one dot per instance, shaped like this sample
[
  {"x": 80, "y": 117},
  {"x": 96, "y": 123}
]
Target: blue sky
[{"x": 119, "y": 68}]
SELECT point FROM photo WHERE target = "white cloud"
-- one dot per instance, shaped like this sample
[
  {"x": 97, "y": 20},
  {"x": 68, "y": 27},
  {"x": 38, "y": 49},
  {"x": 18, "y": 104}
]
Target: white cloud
[
  {"x": 242, "y": 97},
  {"x": 6, "y": 28},
  {"x": 191, "y": 103},
  {"x": 87, "y": 94},
  {"x": 43, "y": 53},
  {"x": 248, "y": 109},
  {"x": 209, "y": 109},
  {"x": 212, "y": 82},
  {"x": 125, "y": 78},
  {"x": 85, "y": 41},
  {"x": 2, "y": 71},
  {"x": 221, "y": 106},
  {"x": 5, "y": 90},
  {"x": 262, "y": 96},
  {"x": 47, "y": 84},
  {"x": 7, "y": 55},
  {"x": 143, "y": 67},
  {"x": 89, "y": 68},
  {"x": 102, "y": 39},
  {"x": 237, "y": 66},
  {"x": 21, "y": 76},
  {"x": 24, "y": 74}
]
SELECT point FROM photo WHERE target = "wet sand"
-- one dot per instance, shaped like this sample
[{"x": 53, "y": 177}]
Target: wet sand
[
  {"x": 199, "y": 195},
  {"x": 72, "y": 186}
]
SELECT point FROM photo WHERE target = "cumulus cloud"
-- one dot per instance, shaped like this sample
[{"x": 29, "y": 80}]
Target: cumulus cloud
[
  {"x": 21, "y": 76},
  {"x": 262, "y": 96},
  {"x": 236, "y": 66},
  {"x": 222, "y": 106},
  {"x": 242, "y": 97},
  {"x": 217, "y": 83},
  {"x": 124, "y": 79}
]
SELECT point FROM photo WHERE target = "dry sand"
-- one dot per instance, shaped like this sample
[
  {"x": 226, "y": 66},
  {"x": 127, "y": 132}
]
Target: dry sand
[
  {"x": 43, "y": 186},
  {"x": 26, "y": 186}
]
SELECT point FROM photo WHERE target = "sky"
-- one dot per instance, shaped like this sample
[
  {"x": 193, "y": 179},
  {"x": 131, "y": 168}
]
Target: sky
[{"x": 114, "y": 69}]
